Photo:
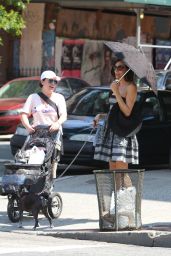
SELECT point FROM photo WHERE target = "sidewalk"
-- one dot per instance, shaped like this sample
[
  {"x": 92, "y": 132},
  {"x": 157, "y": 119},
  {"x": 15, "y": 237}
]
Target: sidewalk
[{"x": 80, "y": 217}]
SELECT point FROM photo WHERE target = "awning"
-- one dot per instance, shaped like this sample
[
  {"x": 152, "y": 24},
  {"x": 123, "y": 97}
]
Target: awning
[
  {"x": 98, "y": 3},
  {"x": 153, "y": 2}
]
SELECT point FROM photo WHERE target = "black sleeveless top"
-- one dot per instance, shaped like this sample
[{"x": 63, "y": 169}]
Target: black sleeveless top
[{"x": 118, "y": 122}]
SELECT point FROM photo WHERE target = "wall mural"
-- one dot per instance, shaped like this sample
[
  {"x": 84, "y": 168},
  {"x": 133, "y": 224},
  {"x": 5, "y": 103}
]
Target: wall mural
[
  {"x": 88, "y": 59},
  {"x": 94, "y": 25},
  {"x": 95, "y": 60},
  {"x": 85, "y": 58},
  {"x": 79, "y": 58}
]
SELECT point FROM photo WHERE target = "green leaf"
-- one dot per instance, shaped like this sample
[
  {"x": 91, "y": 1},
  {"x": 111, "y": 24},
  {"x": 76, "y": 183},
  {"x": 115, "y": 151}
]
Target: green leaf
[{"x": 11, "y": 19}]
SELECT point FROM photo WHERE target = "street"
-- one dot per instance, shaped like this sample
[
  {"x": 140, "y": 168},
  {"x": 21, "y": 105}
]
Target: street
[
  {"x": 5, "y": 152},
  {"x": 32, "y": 244},
  {"x": 80, "y": 221}
]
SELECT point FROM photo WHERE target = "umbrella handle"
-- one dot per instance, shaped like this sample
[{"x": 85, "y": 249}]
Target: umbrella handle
[{"x": 118, "y": 80}]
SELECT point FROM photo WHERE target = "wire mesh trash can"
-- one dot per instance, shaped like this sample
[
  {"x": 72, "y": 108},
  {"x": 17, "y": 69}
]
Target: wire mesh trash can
[{"x": 119, "y": 194}]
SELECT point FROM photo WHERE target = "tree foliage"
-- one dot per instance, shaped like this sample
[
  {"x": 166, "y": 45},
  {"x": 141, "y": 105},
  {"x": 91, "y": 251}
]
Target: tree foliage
[{"x": 11, "y": 19}]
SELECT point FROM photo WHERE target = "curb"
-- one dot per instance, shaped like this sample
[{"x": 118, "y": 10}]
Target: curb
[
  {"x": 2, "y": 167},
  {"x": 140, "y": 238},
  {"x": 3, "y": 161}
]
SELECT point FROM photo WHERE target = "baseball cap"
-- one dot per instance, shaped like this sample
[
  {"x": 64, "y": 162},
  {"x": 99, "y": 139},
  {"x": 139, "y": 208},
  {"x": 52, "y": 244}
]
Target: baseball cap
[{"x": 50, "y": 75}]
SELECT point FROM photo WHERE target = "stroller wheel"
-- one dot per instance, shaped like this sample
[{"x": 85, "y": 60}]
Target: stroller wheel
[
  {"x": 55, "y": 205},
  {"x": 13, "y": 209}
]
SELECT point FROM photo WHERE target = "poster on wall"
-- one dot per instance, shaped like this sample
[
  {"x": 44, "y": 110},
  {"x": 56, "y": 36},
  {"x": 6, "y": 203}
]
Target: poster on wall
[
  {"x": 162, "y": 55},
  {"x": 71, "y": 59},
  {"x": 106, "y": 77},
  {"x": 91, "y": 67},
  {"x": 77, "y": 54},
  {"x": 66, "y": 58}
]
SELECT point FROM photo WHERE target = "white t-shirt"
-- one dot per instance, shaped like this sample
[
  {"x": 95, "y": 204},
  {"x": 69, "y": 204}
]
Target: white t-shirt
[{"x": 42, "y": 112}]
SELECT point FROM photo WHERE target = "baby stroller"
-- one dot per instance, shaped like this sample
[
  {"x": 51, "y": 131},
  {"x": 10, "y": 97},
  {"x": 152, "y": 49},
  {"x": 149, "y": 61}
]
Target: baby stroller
[{"x": 29, "y": 176}]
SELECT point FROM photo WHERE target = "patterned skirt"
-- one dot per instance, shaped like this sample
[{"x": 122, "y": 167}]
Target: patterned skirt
[{"x": 111, "y": 147}]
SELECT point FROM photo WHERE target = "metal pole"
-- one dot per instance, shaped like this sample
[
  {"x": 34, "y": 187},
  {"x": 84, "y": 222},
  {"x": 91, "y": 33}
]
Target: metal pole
[
  {"x": 138, "y": 29},
  {"x": 167, "y": 65},
  {"x": 155, "y": 46}
]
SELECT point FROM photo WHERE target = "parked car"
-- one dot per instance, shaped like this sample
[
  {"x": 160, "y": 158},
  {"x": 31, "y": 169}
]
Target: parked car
[
  {"x": 15, "y": 92},
  {"x": 154, "y": 137},
  {"x": 163, "y": 79}
]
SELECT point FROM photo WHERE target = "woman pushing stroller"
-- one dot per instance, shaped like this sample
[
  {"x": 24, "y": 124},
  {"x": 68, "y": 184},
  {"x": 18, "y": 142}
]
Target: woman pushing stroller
[{"x": 47, "y": 108}]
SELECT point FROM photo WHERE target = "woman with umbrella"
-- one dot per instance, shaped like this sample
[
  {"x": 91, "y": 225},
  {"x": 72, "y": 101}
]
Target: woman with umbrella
[{"x": 118, "y": 150}]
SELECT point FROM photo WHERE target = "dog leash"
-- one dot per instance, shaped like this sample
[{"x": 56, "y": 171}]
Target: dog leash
[{"x": 66, "y": 169}]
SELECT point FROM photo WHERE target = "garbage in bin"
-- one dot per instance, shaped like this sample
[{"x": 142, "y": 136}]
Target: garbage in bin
[{"x": 119, "y": 198}]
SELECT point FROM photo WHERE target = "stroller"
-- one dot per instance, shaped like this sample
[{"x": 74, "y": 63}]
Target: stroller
[{"x": 25, "y": 176}]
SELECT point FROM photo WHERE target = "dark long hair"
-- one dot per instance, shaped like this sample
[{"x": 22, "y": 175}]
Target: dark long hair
[{"x": 129, "y": 77}]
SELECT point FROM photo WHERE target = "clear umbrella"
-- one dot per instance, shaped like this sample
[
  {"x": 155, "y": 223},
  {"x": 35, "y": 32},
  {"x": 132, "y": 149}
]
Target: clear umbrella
[{"x": 136, "y": 61}]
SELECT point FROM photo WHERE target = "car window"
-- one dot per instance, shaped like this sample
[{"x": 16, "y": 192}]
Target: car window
[
  {"x": 64, "y": 89},
  {"x": 167, "y": 102},
  {"x": 168, "y": 82},
  {"x": 77, "y": 84},
  {"x": 89, "y": 103},
  {"x": 151, "y": 108},
  {"x": 160, "y": 80},
  {"x": 19, "y": 89}
]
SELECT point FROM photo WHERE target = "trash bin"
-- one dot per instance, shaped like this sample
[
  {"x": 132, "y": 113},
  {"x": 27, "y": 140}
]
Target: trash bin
[{"x": 119, "y": 194}]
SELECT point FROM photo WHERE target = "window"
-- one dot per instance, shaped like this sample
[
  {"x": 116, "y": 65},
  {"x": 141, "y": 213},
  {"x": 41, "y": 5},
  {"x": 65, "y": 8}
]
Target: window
[
  {"x": 77, "y": 84},
  {"x": 167, "y": 105},
  {"x": 168, "y": 82},
  {"x": 20, "y": 89},
  {"x": 89, "y": 102},
  {"x": 151, "y": 108},
  {"x": 64, "y": 89}
]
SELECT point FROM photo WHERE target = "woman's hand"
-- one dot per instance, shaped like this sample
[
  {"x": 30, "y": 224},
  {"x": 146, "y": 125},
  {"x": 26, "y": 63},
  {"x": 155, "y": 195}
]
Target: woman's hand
[
  {"x": 54, "y": 127},
  {"x": 30, "y": 129},
  {"x": 114, "y": 87},
  {"x": 96, "y": 120}
]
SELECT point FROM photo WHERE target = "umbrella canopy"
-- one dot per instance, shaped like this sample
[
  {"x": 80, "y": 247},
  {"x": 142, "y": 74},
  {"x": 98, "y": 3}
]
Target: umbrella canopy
[{"x": 136, "y": 61}]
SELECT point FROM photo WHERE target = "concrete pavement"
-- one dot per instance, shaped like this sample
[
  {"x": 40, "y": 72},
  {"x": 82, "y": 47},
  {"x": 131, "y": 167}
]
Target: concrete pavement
[{"x": 80, "y": 217}]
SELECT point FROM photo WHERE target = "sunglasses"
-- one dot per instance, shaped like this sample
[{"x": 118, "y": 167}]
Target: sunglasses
[
  {"x": 119, "y": 67},
  {"x": 52, "y": 81}
]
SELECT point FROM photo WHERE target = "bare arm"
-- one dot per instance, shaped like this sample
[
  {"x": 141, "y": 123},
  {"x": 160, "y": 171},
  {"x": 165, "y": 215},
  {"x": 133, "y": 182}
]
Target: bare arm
[
  {"x": 25, "y": 122},
  {"x": 131, "y": 94},
  {"x": 56, "y": 125},
  {"x": 97, "y": 118}
]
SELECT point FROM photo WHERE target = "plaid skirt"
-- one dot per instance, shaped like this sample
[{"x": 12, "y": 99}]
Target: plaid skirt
[{"x": 111, "y": 147}]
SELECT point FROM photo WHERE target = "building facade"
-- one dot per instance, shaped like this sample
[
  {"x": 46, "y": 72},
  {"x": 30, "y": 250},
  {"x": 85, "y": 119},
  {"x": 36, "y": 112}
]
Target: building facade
[{"x": 70, "y": 40}]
